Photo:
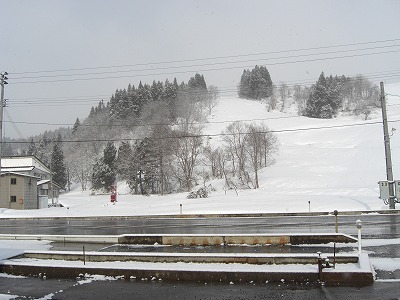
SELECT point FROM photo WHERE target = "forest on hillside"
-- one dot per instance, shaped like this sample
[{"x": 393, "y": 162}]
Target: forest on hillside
[{"x": 151, "y": 135}]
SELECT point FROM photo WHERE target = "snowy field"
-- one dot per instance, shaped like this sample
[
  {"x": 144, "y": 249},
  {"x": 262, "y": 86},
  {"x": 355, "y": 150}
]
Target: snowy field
[{"x": 334, "y": 164}]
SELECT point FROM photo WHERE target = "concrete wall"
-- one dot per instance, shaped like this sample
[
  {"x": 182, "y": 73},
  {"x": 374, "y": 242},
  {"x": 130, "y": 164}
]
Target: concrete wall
[{"x": 24, "y": 190}]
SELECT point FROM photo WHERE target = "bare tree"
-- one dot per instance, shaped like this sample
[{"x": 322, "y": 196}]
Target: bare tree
[
  {"x": 284, "y": 93},
  {"x": 300, "y": 96},
  {"x": 250, "y": 147},
  {"x": 186, "y": 148},
  {"x": 234, "y": 137},
  {"x": 163, "y": 149},
  {"x": 272, "y": 101},
  {"x": 80, "y": 162},
  {"x": 260, "y": 145},
  {"x": 212, "y": 98},
  {"x": 214, "y": 159}
]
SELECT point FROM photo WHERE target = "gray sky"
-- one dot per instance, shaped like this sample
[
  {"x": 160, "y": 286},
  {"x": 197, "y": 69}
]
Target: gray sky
[{"x": 124, "y": 41}]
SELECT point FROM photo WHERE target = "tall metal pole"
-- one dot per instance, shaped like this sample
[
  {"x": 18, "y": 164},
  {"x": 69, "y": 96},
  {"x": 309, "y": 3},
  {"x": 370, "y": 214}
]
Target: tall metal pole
[
  {"x": 2, "y": 82},
  {"x": 388, "y": 155}
]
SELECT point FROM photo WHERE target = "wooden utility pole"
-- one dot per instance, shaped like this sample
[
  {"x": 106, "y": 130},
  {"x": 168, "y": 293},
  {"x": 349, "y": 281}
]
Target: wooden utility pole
[{"x": 388, "y": 155}]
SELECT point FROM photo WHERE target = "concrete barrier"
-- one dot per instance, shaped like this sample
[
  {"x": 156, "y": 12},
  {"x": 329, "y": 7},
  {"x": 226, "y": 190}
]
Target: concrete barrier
[
  {"x": 183, "y": 239},
  {"x": 347, "y": 273},
  {"x": 242, "y": 258}
]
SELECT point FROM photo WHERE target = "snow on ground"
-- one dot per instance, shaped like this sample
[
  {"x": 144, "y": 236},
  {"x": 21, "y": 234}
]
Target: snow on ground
[
  {"x": 335, "y": 167},
  {"x": 10, "y": 248}
]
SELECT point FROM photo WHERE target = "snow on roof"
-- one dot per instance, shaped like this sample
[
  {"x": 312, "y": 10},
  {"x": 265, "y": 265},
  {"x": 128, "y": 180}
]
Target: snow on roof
[
  {"x": 24, "y": 161},
  {"x": 18, "y": 174},
  {"x": 16, "y": 169},
  {"x": 41, "y": 182},
  {"x": 47, "y": 181}
]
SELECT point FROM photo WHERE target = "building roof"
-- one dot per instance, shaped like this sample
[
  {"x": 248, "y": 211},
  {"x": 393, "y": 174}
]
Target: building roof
[
  {"x": 16, "y": 169},
  {"x": 47, "y": 181},
  {"x": 24, "y": 161},
  {"x": 18, "y": 174}
]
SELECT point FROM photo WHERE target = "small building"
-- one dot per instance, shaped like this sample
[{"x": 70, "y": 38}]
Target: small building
[
  {"x": 24, "y": 173},
  {"x": 18, "y": 191},
  {"x": 49, "y": 188}
]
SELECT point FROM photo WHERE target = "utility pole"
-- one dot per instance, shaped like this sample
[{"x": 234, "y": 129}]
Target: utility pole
[
  {"x": 388, "y": 155},
  {"x": 3, "y": 81}
]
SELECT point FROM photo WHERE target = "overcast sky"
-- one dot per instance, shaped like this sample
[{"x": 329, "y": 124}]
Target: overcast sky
[{"x": 114, "y": 43}]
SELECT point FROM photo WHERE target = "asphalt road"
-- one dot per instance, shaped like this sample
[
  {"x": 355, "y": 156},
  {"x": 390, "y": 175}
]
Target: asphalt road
[
  {"x": 36, "y": 288},
  {"x": 374, "y": 226}
]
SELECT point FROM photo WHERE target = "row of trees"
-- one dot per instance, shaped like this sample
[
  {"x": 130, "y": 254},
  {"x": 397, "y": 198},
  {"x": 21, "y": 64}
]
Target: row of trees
[
  {"x": 255, "y": 84},
  {"x": 177, "y": 159},
  {"x": 330, "y": 95},
  {"x": 170, "y": 153},
  {"x": 324, "y": 99},
  {"x": 169, "y": 104},
  {"x": 129, "y": 104}
]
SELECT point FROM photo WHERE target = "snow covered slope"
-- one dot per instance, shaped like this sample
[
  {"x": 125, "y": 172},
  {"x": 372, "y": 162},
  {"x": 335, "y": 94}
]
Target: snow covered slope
[{"x": 334, "y": 164}]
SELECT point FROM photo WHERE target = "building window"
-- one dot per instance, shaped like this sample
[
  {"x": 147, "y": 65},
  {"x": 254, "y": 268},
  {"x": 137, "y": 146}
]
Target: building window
[
  {"x": 13, "y": 198},
  {"x": 13, "y": 180}
]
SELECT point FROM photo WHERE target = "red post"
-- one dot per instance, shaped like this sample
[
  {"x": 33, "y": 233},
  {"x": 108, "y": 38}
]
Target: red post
[{"x": 113, "y": 193}]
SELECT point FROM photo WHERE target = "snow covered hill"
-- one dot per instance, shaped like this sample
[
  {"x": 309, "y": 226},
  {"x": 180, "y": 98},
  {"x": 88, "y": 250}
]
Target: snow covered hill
[{"x": 327, "y": 164}]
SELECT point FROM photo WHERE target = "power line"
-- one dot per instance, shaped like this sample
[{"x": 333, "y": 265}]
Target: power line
[
  {"x": 164, "y": 124},
  {"x": 217, "y": 134},
  {"x": 204, "y": 70},
  {"x": 392, "y": 95},
  {"x": 225, "y": 90},
  {"x": 157, "y": 124},
  {"x": 202, "y": 65},
  {"x": 209, "y": 58}
]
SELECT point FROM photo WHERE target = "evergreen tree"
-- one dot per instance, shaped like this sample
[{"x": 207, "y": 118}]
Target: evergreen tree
[
  {"x": 102, "y": 176},
  {"x": 157, "y": 91},
  {"x": 143, "y": 95},
  {"x": 104, "y": 170},
  {"x": 196, "y": 89},
  {"x": 324, "y": 99},
  {"x": 57, "y": 164},
  {"x": 31, "y": 148},
  {"x": 41, "y": 152},
  {"x": 197, "y": 82},
  {"x": 76, "y": 125},
  {"x": 6, "y": 149},
  {"x": 124, "y": 160},
  {"x": 244, "y": 85},
  {"x": 255, "y": 84},
  {"x": 114, "y": 105},
  {"x": 171, "y": 96},
  {"x": 110, "y": 154},
  {"x": 146, "y": 175}
]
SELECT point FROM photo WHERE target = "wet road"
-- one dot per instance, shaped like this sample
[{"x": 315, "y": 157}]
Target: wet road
[
  {"x": 36, "y": 288},
  {"x": 374, "y": 226}
]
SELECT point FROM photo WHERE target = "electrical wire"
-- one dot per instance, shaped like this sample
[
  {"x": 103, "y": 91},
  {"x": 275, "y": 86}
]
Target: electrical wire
[
  {"x": 157, "y": 124},
  {"x": 209, "y": 58},
  {"x": 203, "y": 70},
  {"x": 202, "y": 65},
  {"x": 217, "y": 134},
  {"x": 392, "y": 95},
  {"x": 223, "y": 91}
]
